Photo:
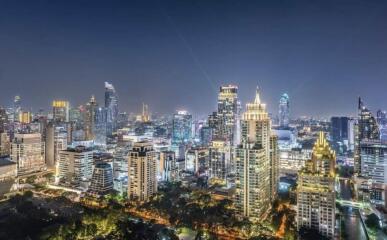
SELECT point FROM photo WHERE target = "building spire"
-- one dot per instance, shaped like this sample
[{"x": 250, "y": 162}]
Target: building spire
[{"x": 257, "y": 98}]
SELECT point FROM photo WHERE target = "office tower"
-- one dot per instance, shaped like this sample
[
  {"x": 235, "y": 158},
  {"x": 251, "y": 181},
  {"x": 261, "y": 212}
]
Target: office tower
[
  {"x": 284, "y": 111},
  {"x": 28, "y": 153},
  {"x": 25, "y": 117},
  {"x": 5, "y": 144},
  {"x": 102, "y": 179},
  {"x": 56, "y": 140},
  {"x": 75, "y": 116},
  {"x": 351, "y": 133},
  {"x": 100, "y": 126},
  {"x": 316, "y": 190},
  {"x": 374, "y": 161},
  {"x": 142, "y": 171},
  {"x": 16, "y": 108},
  {"x": 60, "y": 111},
  {"x": 89, "y": 122},
  {"x": 339, "y": 129},
  {"x": 145, "y": 117},
  {"x": 220, "y": 160},
  {"x": 74, "y": 168},
  {"x": 226, "y": 120},
  {"x": 274, "y": 166},
  {"x": 206, "y": 135},
  {"x": 3, "y": 120},
  {"x": 181, "y": 131},
  {"x": 253, "y": 162},
  {"x": 366, "y": 129},
  {"x": 120, "y": 169},
  {"x": 196, "y": 159},
  {"x": 167, "y": 166},
  {"x": 381, "y": 117},
  {"x": 111, "y": 105}
]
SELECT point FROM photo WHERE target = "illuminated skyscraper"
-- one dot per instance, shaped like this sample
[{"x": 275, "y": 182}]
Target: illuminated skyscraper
[
  {"x": 145, "y": 117},
  {"x": 181, "y": 131},
  {"x": 167, "y": 166},
  {"x": 56, "y": 140},
  {"x": 28, "y": 153},
  {"x": 25, "y": 117},
  {"x": 60, "y": 111},
  {"x": 90, "y": 119},
  {"x": 284, "y": 111},
  {"x": 254, "y": 176},
  {"x": 225, "y": 121},
  {"x": 3, "y": 120},
  {"x": 142, "y": 171},
  {"x": 316, "y": 190},
  {"x": 16, "y": 108},
  {"x": 100, "y": 126},
  {"x": 220, "y": 160},
  {"x": 366, "y": 129},
  {"x": 111, "y": 105}
]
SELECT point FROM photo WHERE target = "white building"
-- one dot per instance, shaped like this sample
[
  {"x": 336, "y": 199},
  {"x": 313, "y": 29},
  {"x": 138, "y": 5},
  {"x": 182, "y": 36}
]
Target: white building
[
  {"x": 142, "y": 180},
  {"x": 75, "y": 167},
  {"x": 28, "y": 153}
]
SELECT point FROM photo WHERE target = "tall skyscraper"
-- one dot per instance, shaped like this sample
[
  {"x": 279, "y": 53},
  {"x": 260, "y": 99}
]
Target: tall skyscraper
[
  {"x": 381, "y": 117},
  {"x": 284, "y": 111},
  {"x": 253, "y": 162},
  {"x": 366, "y": 129},
  {"x": 167, "y": 166},
  {"x": 145, "y": 117},
  {"x": 89, "y": 122},
  {"x": 75, "y": 167},
  {"x": 220, "y": 160},
  {"x": 142, "y": 171},
  {"x": 339, "y": 129},
  {"x": 56, "y": 141},
  {"x": 316, "y": 190},
  {"x": 16, "y": 108},
  {"x": 225, "y": 121},
  {"x": 181, "y": 132},
  {"x": 100, "y": 126},
  {"x": 374, "y": 161},
  {"x": 3, "y": 120},
  {"x": 28, "y": 153},
  {"x": 60, "y": 111},
  {"x": 111, "y": 105}
]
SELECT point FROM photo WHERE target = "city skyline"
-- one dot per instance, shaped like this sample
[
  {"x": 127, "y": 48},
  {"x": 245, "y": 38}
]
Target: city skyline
[{"x": 188, "y": 49}]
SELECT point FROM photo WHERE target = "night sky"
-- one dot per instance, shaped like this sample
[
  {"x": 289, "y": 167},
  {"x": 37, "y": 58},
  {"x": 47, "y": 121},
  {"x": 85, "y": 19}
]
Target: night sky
[{"x": 175, "y": 54}]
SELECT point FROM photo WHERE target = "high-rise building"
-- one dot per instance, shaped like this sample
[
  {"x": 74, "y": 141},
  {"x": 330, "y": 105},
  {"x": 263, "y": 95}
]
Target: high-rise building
[
  {"x": 284, "y": 111},
  {"x": 111, "y": 105},
  {"x": 225, "y": 121},
  {"x": 206, "y": 135},
  {"x": 25, "y": 117},
  {"x": 3, "y": 120},
  {"x": 167, "y": 166},
  {"x": 16, "y": 108},
  {"x": 381, "y": 117},
  {"x": 142, "y": 171},
  {"x": 366, "y": 129},
  {"x": 374, "y": 161},
  {"x": 220, "y": 160},
  {"x": 28, "y": 153},
  {"x": 100, "y": 126},
  {"x": 196, "y": 159},
  {"x": 102, "y": 179},
  {"x": 60, "y": 111},
  {"x": 56, "y": 141},
  {"x": 181, "y": 131},
  {"x": 339, "y": 129},
  {"x": 90, "y": 119},
  {"x": 145, "y": 117},
  {"x": 253, "y": 162},
  {"x": 316, "y": 190},
  {"x": 74, "y": 168},
  {"x": 5, "y": 144}
]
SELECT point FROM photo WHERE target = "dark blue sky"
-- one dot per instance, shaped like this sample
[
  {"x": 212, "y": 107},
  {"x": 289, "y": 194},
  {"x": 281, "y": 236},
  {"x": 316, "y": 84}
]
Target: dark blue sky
[{"x": 175, "y": 54}]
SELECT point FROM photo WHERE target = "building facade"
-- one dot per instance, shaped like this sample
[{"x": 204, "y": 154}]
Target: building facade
[
  {"x": 142, "y": 180},
  {"x": 316, "y": 190}
]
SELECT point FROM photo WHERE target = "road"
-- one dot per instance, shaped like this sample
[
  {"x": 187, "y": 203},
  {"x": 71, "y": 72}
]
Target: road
[{"x": 352, "y": 223}]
